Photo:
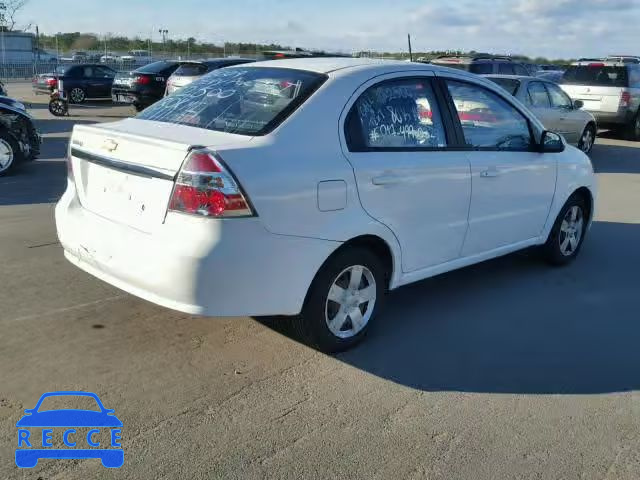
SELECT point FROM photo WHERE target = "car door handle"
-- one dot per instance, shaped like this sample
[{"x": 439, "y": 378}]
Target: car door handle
[
  {"x": 386, "y": 180},
  {"x": 491, "y": 173}
]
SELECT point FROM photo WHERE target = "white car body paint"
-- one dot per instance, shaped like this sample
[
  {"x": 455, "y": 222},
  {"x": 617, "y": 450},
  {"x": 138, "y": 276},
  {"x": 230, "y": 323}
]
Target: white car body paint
[{"x": 264, "y": 265}]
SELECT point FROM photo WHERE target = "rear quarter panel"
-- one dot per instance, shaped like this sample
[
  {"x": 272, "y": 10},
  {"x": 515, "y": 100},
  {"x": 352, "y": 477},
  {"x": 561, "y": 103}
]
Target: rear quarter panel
[{"x": 282, "y": 172}]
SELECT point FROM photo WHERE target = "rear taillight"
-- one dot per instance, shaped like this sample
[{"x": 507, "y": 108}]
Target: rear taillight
[
  {"x": 625, "y": 99},
  {"x": 205, "y": 187},
  {"x": 52, "y": 82},
  {"x": 143, "y": 80}
]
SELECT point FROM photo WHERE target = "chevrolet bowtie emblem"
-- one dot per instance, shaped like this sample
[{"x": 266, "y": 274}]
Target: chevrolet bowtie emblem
[{"x": 109, "y": 145}]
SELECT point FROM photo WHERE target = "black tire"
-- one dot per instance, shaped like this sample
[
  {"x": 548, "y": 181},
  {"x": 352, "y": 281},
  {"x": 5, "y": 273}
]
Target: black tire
[
  {"x": 312, "y": 324},
  {"x": 58, "y": 107},
  {"x": 632, "y": 130},
  {"x": 77, "y": 95},
  {"x": 552, "y": 249},
  {"x": 7, "y": 140},
  {"x": 581, "y": 145}
]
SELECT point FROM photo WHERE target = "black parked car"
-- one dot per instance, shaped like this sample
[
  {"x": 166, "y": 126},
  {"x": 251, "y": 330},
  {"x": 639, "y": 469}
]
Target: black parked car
[
  {"x": 19, "y": 140},
  {"x": 80, "y": 82},
  {"x": 143, "y": 86}
]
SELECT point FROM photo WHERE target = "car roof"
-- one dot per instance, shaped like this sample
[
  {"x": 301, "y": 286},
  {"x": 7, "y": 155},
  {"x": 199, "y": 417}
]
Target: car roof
[
  {"x": 344, "y": 66},
  {"x": 511, "y": 77}
]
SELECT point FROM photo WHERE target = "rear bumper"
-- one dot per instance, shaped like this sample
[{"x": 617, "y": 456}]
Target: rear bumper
[
  {"x": 42, "y": 89},
  {"x": 609, "y": 119},
  {"x": 194, "y": 265},
  {"x": 144, "y": 98}
]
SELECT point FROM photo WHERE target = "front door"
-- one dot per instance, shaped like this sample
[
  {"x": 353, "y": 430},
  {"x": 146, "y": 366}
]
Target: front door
[
  {"x": 513, "y": 185},
  {"x": 571, "y": 121},
  {"x": 407, "y": 178}
]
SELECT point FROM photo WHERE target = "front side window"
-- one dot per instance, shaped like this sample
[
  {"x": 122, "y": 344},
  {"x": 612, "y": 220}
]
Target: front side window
[
  {"x": 246, "y": 101},
  {"x": 399, "y": 114},
  {"x": 488, "y": 121},
  {"x": 559, "y": 99},
  {"x": 538, "y": 97}
]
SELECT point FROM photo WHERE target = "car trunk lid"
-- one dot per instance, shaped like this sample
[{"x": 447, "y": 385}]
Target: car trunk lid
[{"x": 125, "y": 171}]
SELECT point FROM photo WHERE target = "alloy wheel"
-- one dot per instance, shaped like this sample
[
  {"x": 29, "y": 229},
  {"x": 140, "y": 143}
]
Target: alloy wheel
[
  {"x": 586, "y": 143},
  {"x": 6, "y": 155},
  {"x": 351, "y": 301},
  {"x": 77, "y": 95},
  {"x": 571, "y": 231}
]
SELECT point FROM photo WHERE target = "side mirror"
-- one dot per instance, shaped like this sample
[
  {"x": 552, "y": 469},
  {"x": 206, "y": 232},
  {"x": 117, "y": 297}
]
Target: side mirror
[
  {"x": 551, "y": 143},
  {"x": 578, "y": 104}
]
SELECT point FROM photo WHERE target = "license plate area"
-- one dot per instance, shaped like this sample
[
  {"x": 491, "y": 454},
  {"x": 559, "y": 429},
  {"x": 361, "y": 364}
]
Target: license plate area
[{"x": 130, "y": 199}]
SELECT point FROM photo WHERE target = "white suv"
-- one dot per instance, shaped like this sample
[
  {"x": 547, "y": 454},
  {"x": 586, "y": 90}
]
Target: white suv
[
  {"x": 314, "y": 186},
  {"x": 610, "y": 90}
]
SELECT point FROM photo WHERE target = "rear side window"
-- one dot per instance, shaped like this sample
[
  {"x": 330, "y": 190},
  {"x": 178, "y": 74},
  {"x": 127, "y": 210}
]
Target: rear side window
[
  {"x": 596, "y": 75},
  {"x": 191, "y": 70},
  {"x": 634, "y": 76},
  {"x": 246, "y": 101},
  {"x": 397, "y": 114},
  {"x": 537, "y": 95},
  {"x": 483, "y": 68},
  {"x": 488, "y": 121}
]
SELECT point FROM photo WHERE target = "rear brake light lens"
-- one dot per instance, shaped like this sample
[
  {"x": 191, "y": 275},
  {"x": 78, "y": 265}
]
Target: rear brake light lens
[
  {"x": 52, "y": 82},
  {"x": 625, "y": 99},
  {"x": 596, "y": 65},
  {"x": 205, "y": 187},
  {"x": 143, "y": 79}
]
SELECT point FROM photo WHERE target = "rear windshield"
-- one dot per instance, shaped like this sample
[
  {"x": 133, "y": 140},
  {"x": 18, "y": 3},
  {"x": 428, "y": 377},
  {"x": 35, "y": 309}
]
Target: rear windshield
[
  {"x": 511, "y": 85},
  {"x": 155, "y": 67},
  {"x": 191, "y": 70},
  {"x": 246, "y": 101},
  {"x": 601, "y": 76}
]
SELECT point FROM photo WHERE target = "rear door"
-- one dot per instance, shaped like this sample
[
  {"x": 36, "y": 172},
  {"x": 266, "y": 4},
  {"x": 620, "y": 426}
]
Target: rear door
[
  {"x": 102, "y": 81},
  {"x": 538, "y": 101},
  {"x": 408, "y": 178},
  {"x": 513, "y": 185}
]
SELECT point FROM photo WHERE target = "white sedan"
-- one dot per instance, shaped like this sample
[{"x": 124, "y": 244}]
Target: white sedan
[{"x": 311, "y": 187}]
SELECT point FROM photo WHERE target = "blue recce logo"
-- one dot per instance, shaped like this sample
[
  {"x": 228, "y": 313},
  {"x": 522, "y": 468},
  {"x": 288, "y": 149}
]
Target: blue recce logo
[{"x": 31, "y": 449}]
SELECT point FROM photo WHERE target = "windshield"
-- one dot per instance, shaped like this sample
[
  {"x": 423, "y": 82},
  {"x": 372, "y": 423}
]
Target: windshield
[
  {"x": 246, "y": 101},
  {"x": 601, "y": 76},
  {"x": 191, "y": 70},
  {"x": 511, "y": 85}
]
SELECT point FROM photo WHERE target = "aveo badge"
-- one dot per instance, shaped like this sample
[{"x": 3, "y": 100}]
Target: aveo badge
[{"x": 69, "y": 433}]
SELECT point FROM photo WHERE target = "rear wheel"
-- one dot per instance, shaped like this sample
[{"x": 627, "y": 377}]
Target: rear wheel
[
  {"x": 587, "y": 139},
  {"x": 343, "y": 301},
  {"x": 138, "y": 107},
  {"x": 632, "y": 132},
  {"x": 567, "y": 236}
]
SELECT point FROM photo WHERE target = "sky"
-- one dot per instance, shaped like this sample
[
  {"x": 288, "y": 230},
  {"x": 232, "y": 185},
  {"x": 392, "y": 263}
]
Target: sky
[{"x": 550, "y": 28}]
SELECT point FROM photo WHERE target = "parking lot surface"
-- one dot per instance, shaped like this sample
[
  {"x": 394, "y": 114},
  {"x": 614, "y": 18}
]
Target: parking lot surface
[{"x": 505, "y": 370}]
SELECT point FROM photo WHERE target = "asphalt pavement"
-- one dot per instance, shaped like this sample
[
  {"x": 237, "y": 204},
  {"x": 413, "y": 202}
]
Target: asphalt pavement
[{"x": 505, "y": 370}]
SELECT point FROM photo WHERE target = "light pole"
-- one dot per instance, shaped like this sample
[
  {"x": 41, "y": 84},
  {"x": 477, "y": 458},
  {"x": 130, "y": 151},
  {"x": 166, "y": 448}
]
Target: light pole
[{"x": 164, "y": 34}]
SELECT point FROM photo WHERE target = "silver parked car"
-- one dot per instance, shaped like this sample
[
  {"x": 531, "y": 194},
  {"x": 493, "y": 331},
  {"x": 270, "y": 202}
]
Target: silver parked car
[
  {"x": 553, "y": 107},
  {"x": 188, "y": 72},
  {"x": 610, "y": 90}
]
